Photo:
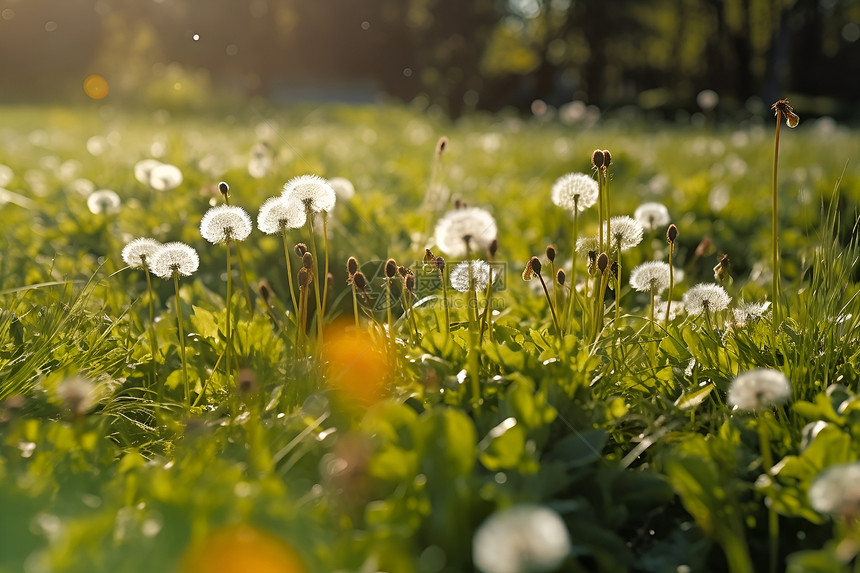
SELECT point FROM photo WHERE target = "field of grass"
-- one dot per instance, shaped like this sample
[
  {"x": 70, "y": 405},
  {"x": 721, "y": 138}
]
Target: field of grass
[{"x": 408, "y": 443}]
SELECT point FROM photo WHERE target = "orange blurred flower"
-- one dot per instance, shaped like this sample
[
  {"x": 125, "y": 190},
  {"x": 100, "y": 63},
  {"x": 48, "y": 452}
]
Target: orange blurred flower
[
  {"x": 356, "y": 363},
  {"x": 239, "y": 549}
]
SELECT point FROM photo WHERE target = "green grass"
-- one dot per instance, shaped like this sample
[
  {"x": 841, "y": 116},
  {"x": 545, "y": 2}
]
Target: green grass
[{"x": 629, "y": 440}]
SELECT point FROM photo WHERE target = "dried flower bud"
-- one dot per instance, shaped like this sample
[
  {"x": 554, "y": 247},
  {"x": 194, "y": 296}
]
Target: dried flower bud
[
  {"x": 390, "y": 268},
  {"x": 550, "y": 253},
  {"x": 429, "y": 257},
  {"x": 597, "y": 158},
  {"x": 265, "y": 291},
  {"x": 602, "y": 262},
  {"x": 410, "y": 283},
  {"x": 560, "y": 277},
  {"x": 672, "y": 233},
  {"x": 493, "y": 248},
  {"x": 536, "y": 265},
  {"x": 704, "y": 247},
  {"x": 441, "y": 145},
  {"x": 782, "y": 107},
  {"x": 224, "y": 188},
  {"x": 303, "y": 277},
  {"x": 440, "y": 264},
  {"x": 459, "y": 203},
  {"x": 403, "y": 271},
  {"x": 300, "y": 249},
  {"x": 308, "y": 261},
  {"x": 528, "y": 271},
  {"x": 721, "y": 270},
  {"x": 351, "y": 265},
  {"x": 607, "y": 158},
  {"x": 592, "y": 263},
  {"x": 359, "y": 280}
]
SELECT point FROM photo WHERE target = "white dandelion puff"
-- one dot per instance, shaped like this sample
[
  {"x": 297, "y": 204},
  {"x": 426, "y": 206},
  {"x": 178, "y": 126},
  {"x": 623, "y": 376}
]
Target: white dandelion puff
[
  {"x": 676, "y": 308},
  {"x": 836, "y": 490},
  {"x": 522, "y": 539},
  {"x": 575, "y": 190},
  {"x": 652, "y": 276},
  {"x": 225, "y": 223},
  {"x": 749, "y": 312},
  {"x": 279, "y": 213},
  {"x": 585, "y": 245},
  {"x": 625, "y": 231},
  {"x": 138, "y": 253},
  {"x": 103, "y": 202},
  {"x": 652, "y": 215},
  {"x": 143, "y": 169},
  {"x": 342, "y": 187},
  {"x": 463, "y": 231},
  {"x": 78, "y": 394},
  {"x": 312, "y": 191},
  {"x": 480, "y": 276},
  {"x": 758, "y": 389},
  {"x": 164, "y": 177},
  {"x": 172, "y": 258},
  {"x": 704, "y": 296}
]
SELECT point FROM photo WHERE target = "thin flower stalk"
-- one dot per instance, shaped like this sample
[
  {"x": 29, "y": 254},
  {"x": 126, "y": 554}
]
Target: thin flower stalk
[
  {"x": 290, "y": 274},
  {"x": 671, "y": 235},
  {"x": 572, "y": 302},
  {"x": 152, "y": 339},
  {"x": 316, "y": 281},
  {"x": 181, "y": 339},
  {"x": 325, "y": 248},
  {"x": 782, "y": 109},
  {"x": 225, "y": 191},
  {"x": 475, "y": 342}
]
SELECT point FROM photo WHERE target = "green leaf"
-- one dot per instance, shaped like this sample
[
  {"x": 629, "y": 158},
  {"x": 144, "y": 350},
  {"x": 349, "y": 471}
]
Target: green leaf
[
  {"x": 580, "y": 448},
  {"x": 504, "y": 446},
  {"x": 204, "y": 323}
]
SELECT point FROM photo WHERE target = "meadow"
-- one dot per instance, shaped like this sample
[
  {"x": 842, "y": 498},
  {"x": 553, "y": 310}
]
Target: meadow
[{"x": 154, "y": 422}]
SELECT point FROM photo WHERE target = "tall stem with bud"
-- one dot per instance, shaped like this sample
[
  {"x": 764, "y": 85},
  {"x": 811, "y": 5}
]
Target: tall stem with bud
[
  {"x": 782, "y": 109},
  {"x": 671, "y": 235}
]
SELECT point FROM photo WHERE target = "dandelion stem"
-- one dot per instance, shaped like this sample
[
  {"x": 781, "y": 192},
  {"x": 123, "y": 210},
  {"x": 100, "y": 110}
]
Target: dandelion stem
[
  {"x": 228, "y": 351},
  {"x": 445, "y": 300},
  {"x": 651, "y": 331},
  {"x": 290, "y": 274},
  {"x": 355, "y": 306},
  {"x": 325, "y": 275},
  {"x": 573, "y": 295},
  {"x": 247, "y": 289},
  {"x": 671, "y": 280},
  {"x": 316, "y": 282},
  {"x": 605, "y": 171},
  {"x": 474, "y": 336},
  {"x": 773, "y": 518},
  {"x": 601, "y": 247},
  {"x": 487, "y": 319},
  {"x": 152, "y": 340},
  {"x": 181, "y": 338},
  {"x": 391, "y": 344},
  {"x": 618, "y": 285},
  {"x": 551, "y": 306},
  {"x": 775, "y": 235}
]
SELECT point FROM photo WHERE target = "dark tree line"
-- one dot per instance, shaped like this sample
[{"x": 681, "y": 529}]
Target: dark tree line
[{"x": 478, "y": 54}]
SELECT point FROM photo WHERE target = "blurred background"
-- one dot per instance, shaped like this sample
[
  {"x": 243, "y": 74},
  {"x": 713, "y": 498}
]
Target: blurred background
[{"x": 666, "y": 57}]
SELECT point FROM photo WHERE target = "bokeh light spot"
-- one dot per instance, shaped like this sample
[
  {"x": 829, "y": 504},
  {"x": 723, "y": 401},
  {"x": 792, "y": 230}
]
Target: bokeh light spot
[
  {"x": 357, "y": 365},
  {"x": 96, "y": 86},
  {"x": 239, "y": 549}
]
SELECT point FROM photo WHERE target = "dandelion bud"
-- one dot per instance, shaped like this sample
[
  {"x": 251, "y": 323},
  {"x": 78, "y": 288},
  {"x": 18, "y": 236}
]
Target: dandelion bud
[
  {"x": 410, "y": 283},
  {"x": 560, "y": 277},
  {"x": 265, "y": 291},
  {"x": 300, "y": 249},
  {"x": 247, "y": 382},
  {"x": 459, "y": 203},
  {"x": 602, "y": 262},
  {"x": 403, "y": 271},
  {"x": 704, "y": 247},
  {"x": 494, "y": 246},
  {"x": 536, "y": 265},
  {"x": 303, "y": 277},
  {"x": 597, "y": 158},
  {"x": 359, "y": 280},
  {"x": 224, "y": 188},
  {"x": 550, "y": 253},
  {"x": 308, "y": 261},
  {"x": 672, "y": 234},
  {"x": 721, "y": 271},
  {"x": 440, "y": 264},
  {"x": 351, "y": 265},
  {"x": 607, "y": 158},
  {"x": 441, "y": 145},
  {"x": 429, "y": 257},
  {"x": 390, "y": 268}
]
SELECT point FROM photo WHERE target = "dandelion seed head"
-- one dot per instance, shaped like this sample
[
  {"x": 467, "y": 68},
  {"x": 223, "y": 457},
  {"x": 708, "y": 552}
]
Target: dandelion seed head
[
  {"x": 676, "y": 308},
  {"x": 652, "y": 215},
  {"x": 224, "y": 223},
  {"x": 164, "y": 177},
  {"x": 586, "y": 244},
  {"x": 575, "y": 190},
  {"x": 480, "y": 271},
  {"x": 625, "y": 231},
  {"x": 836, "y": 490},
  {"x": 174, "y": 257},
  {"x": 279, "y": 213},
  {"x": 652, "y": 276},
  {"x": 343, "y": 187},
  {"x": 758, "y": 389},
  {"x": 749, "y": 312},
  {"x": 522, "y": 539},
  {"x": 703, "y": 296},
  {"x": 461, "y": 231},
  {"x": 78, "y": 394},
  {"x": 143, "y": 169},
  {"x": 312, "y": 191},
  {"x": 103, "y": 202},
  {"x": 138, "y": 253}
]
